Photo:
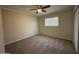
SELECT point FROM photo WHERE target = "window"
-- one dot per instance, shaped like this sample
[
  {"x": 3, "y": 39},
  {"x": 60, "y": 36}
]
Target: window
[{"x": 54, "y": 21}]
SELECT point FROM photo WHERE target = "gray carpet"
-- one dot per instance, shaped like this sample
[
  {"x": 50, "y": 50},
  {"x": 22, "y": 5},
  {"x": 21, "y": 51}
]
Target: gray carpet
[{"x": 41, "y": 44}]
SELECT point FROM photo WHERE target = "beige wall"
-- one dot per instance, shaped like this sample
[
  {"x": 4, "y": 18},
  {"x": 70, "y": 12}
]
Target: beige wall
[
  {"x": 65, "y": 29},
  {"x": 1, "y": 35},
  {"x": 18, "y": 26},
  {"x": 76, "y": 30}
]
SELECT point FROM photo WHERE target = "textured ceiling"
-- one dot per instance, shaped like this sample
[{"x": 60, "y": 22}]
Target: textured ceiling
[{"x": 52, "y": 9}]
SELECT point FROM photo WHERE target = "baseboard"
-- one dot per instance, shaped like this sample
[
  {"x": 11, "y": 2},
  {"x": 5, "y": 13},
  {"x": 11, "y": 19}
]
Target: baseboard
[
  {"x": 55, "y": 37},
  {"x": 31, "y": 36},
  {"x": 18, "y": 39}
]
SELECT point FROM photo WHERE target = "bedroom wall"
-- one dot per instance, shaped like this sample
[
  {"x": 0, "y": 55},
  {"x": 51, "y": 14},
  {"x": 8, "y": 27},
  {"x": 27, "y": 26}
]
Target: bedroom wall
[
  {"x": 18, "y": 26},
  {"x": 65, "y": 28},
  {"x": 1, "y": 35}
]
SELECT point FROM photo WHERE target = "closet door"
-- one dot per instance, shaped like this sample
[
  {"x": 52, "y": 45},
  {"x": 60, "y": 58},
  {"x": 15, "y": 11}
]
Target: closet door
[
  {"x": 76, "y": 21},
  {"x": 1, "y": 36},
  {"x": 78, "y": 29}
]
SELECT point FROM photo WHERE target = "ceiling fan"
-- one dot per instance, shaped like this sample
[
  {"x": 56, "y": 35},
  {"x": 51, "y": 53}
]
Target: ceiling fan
[{"x": 40, "y": 8}]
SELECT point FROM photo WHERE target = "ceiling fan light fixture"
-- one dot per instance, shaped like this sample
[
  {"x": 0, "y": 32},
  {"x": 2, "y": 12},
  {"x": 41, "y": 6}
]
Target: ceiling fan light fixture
[{"x": 39, "y": 10}]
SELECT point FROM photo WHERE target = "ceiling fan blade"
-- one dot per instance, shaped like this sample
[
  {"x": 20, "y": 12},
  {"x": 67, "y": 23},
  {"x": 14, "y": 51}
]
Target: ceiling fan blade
[
  {"x": 46, "y": 7},
  {"x": 33, "y": 9},
  {"x": 40, "y": 6},
  {"x": 37, "y": 6},
  {"x": 43, "y": 10}
]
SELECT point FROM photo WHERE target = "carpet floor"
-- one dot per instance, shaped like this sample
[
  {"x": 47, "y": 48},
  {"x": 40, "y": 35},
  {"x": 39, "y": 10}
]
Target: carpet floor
[{"x": 41, "y": 44}]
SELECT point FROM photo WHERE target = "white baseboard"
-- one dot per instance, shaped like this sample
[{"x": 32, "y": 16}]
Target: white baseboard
[
  {"x": 58, "y": 37},
  {"x": 28, "y": 37},
  {"x": 18, "y": 40}
]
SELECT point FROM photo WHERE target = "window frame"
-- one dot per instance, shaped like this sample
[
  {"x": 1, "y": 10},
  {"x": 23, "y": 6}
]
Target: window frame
[{"x": 52, "y": 25}]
